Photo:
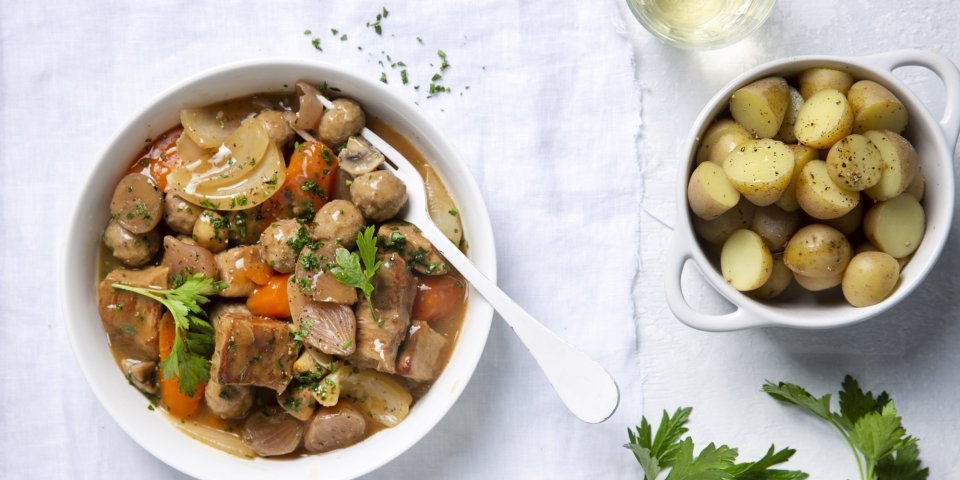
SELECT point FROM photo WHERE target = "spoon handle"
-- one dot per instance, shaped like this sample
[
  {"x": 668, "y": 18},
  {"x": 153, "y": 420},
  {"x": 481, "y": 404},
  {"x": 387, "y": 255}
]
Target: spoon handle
[{"x": 583, "y": 385}]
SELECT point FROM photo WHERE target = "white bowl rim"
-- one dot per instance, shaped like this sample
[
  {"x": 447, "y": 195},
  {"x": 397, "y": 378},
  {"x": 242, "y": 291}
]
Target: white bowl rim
[
  {"x": 482, "y": 253},
  {"x": 753, "y": 313}
]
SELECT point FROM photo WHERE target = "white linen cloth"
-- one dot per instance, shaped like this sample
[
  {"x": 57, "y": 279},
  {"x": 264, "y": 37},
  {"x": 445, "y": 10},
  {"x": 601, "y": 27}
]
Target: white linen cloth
[{"x": 547, "y": 128}]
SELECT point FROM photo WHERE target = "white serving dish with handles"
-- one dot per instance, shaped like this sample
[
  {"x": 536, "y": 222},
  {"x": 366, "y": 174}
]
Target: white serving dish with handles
[
  {"x": 934, "y": 141},
  {"x": 79, "y": 262}
]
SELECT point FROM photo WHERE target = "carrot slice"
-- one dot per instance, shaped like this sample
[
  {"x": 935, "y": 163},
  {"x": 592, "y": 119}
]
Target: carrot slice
[
  {"x": 159, "y": 158},
  {"x": 270, "y": 300},
  {"x": 311, "y": 176},
  {"x": 178, "y": 404},
  {"x": 437, "y": 297}
]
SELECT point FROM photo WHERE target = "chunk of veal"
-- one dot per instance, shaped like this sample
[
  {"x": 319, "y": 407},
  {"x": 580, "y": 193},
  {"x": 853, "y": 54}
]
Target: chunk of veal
[
  {"x": 252, "y": 350},
  {"x": 131, "y": 320},
  {"x": 421, "y": 353},
  {"x": 413, "y": 246},
  {"x": 379, "y": 336}
]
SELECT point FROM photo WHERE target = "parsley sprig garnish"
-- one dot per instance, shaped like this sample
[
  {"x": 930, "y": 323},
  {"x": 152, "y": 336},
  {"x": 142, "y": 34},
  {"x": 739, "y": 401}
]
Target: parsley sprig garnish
[
  {"x": 665, "y": 450},
  {"x": 868, "y": 423},
  {"x": 193, "y": 343},
  {"x": 348, "y": 268}
]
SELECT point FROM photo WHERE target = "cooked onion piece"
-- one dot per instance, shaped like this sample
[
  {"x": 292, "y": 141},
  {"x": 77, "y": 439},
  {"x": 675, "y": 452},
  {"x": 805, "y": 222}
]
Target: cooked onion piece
[
  {"x": 442, "y": 209},
  {"x": 384, "y": 399},
  {"x": 229, "y": 442},
  {"x": 210, "y": 126}
]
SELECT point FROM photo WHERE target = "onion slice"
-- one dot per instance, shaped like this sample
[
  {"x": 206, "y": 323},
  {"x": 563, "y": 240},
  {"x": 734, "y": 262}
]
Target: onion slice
[
  {"x": 384, "y": 399},
  {"x": 442, "y": 210},
  {"x": 222, "y": 440}
]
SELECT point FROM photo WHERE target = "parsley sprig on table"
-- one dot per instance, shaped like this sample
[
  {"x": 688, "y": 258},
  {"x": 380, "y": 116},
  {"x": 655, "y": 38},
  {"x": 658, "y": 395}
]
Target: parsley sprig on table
[
  {"x": 193, "y": 343},
  {"x": 665, "y": 450},
  {"x": 348, "y": 268},
  {"x": 868, "y": 423}
]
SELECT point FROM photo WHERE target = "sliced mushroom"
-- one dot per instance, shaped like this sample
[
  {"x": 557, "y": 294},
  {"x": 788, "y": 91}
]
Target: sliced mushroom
[
  {"x": 333, "y": 428},
  {"x": 311, "y": 110},
  {"x": 142, "y": 374},
  {"x": 329, "y": 327},
  {"x": 359, "y": 157},
  {"x": 137, "y": 203}
]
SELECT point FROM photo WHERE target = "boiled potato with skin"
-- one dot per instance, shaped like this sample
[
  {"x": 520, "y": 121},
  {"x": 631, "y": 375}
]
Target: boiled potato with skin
[
  {"x": 786, "y": 133},
  {"x": 718, "y": 230},
  {"x": 780, "y": 278},
  {"x": 760, "y": 170},
  {"x": 824, "y": 119},
  {"x": 818, "y": 284},
  {"x": 761, "y": 106},
  {"x": 801, "y": 155},
  {"x": 868, "y": 247},
  {"x": 854, "y": 163},
  {"x": 813, "y": 80},
  {"x": 817, "y": 251},
  {"x": 849, "y": 223},
  {"x": 775, "y": 226},
  {"x": 870, "y": 277},
  {"x": 917, "y": 187},
  {"x": 720, "y": 139},
  {"x": 819, "y": 196},
  {"x": 896, "y": 226},
  {"x": 876, "y": 108},
  {"x": 745, "y": 261},
  {"x": 709, "y": 192},
  {"x": 900, "y": 164}
]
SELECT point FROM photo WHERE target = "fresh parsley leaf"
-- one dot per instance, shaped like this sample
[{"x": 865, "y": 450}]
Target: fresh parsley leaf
[
  {"x": 904, "y": 464},
  {"x": 855, "y": 404},
  {"x": 348, "y": 268},
  {"x": 193, "y": 343},
  {"x": 878, "y": 434},
  {"x": 796, "y": 395},
  {"x": 711, "y": 464}
]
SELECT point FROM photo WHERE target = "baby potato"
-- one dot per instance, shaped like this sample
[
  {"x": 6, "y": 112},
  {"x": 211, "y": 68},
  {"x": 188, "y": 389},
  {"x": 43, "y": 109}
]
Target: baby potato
[
  {"x": 870, "y": 277},
  {"x": 868, "y": 247},
  {"x": 896, "y": 226},
  {"x": 854, "y": 163},
  {"x": 801, "y": 155},
  {"x": 780, "y": 277},
  {"x": 761, "y": 106},
  {"x": 817, "y": 251},
  {"x": 211, "y": 231},
  {"x": 824, "y": 119},
  {"x": 745, "y": 261},
  {"x": 717, "y": 231},
  {"x": 760, "y": 170},
  {"x": 819, "y": 196},
  {"x": 786, "y": 133},
  {"x": 848, "y": 223},
  {"x": 875, "y": 108},
  {"x": 812, "y": 80},
  {"x": 917, "y": 186},
  {"x": 817, "y": 284},
  {"x": 775, "y": 226},
  {"x": 720, "y": 139},
  {"x": 900, "y": 164},
  {"x": 709, "y": 192}
]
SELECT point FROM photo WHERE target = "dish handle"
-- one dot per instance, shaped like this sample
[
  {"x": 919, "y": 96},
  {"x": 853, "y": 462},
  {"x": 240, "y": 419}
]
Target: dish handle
[
  {"x": 739, "y": 319},
  {"x": 940, "y": 65}
]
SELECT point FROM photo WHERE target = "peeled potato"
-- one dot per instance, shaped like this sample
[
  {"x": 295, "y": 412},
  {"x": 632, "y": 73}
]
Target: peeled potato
[
  {"x": 917, "y": 187},
  {"x": 900, "y": 164},
  {"x": 801, "y": 155},
  {"x": 896, "y": 226},
  {"x": 870, "y": 277},
  {"x": 848, "y": 223},
  {"x": 819, "y": 196},
  {"x": 812, "y": 80},
  {"x": 780, "y": 278},
  {"x": 786, "y": 133},
  {"x": 717, "y": 231},
  {"x": 761, "y": 106},
  {"x": 854, "y": 163},
  {"x": 760, "y": 170},
  {"x": 745, "y": 261},
  {"x": 720, "y": 139},
  {"x": 817, "y": 251},
  {"x": 709, "y": 193},
  {"x": 775, "y": 226},
  {"x": 824, "y": 119},
  {"x": 817, "y": 284},
  {"x": 876, "y": 108}
]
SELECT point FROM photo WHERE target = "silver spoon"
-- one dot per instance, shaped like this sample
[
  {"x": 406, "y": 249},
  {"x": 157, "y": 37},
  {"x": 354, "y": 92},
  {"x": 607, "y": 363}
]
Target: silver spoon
[{"x": 582, "y": 384}]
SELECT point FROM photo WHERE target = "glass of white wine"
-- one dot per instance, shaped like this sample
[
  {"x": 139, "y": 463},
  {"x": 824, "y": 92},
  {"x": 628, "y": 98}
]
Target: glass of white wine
[{"x": 701, "y": 24}]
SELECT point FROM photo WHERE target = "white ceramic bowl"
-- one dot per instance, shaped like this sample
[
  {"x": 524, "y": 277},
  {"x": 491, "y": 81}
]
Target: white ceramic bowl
[
  {"x": 153, "y": 430},
  {"x": 934, "y": 141}
]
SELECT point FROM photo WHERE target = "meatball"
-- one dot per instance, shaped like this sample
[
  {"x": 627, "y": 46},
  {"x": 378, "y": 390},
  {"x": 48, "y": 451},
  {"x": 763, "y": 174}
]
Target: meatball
[
  {"x": 339, "y": 123},
  {"x": 338, "y": 221},
  {"x": 180, "y": 214},
  {"x": 132, "y": 249},
  {"x": 379, "y": 195},
  {"x": 278, "y": 241},
  {"x": 211, "y": 231},
  {"x": 277, "y": 125}
]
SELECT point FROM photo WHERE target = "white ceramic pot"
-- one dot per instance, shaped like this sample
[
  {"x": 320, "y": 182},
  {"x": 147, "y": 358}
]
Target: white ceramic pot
[
  {"x": 151, "y": 429},
  {"x": 934, "y": 141}
]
